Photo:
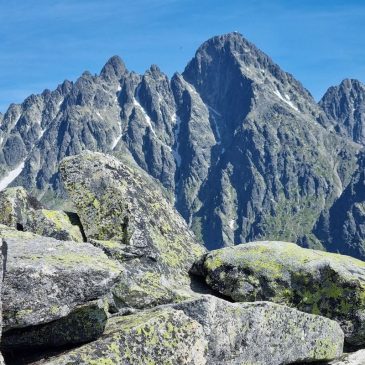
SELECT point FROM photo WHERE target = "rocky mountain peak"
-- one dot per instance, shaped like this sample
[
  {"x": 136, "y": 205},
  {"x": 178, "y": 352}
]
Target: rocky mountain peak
[
  {"x": 351, "y": 83},
  {"x": 231, "y": 59},
  {"x": 345, "y": 106},
  {"x": 234, "y": 139},
  {"x": 154, "y": 69},
  {"x": 231, "y": 42},
  {"x": 114, "y": 69},
  {"x": 65, "y": 87}
]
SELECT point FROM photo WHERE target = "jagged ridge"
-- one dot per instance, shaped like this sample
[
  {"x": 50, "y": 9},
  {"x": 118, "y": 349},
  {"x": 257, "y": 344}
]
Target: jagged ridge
[{"x": 239, "y": 143}]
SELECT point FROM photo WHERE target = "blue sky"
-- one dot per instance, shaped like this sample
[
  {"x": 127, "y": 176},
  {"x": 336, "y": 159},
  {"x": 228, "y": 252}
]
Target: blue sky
[{"x": 43, "y": 42}]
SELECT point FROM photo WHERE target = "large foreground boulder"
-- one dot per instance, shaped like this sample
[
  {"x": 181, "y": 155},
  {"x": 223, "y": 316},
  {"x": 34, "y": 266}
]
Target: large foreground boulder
[
  {"x": 315, "y": 282},
  {"x": 263, "y": 332},
  {"x": 20, "y": 210},
  {"x": 212, "y": 331},
  {"x": 125, "y": 213},
  {"x": 48, "y": 280}
]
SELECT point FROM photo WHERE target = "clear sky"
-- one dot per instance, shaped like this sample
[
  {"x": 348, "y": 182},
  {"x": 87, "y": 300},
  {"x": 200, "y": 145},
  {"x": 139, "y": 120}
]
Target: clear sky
[{"x": 43, "y": 42}]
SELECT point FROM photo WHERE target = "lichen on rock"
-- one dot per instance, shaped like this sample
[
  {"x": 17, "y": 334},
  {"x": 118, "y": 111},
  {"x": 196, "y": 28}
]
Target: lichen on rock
[
  {"x": 125, "y": 213},
  {"x": 160, "y": 337},
  {"x": 313, "y": 281},
  {"x": 48, "y": 280},
  {"x": 212, "y": 331},
  {"x": 20, "y": 210}
]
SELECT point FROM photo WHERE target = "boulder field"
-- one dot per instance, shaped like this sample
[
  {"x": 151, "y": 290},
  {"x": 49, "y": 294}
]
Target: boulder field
[
  {"x": 120, "y": 279},
  {"x": 312, "y": 281}
]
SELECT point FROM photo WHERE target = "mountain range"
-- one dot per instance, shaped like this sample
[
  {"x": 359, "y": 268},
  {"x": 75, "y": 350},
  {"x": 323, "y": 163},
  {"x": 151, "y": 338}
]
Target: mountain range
[{"x": 241, "y": 147}]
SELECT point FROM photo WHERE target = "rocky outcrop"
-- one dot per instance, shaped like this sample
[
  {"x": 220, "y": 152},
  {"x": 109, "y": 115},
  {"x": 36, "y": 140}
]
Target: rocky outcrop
[
  {"x": 212, "y": 331},
  {"x": 239, "y": 143},
  {"x": 49, "y": 284},
  {"x": 25, "y": 213},
  {"x": 345, "y": 106},
  {"x": 124, "y": 212},
  {"x": 312, "y": 281}
]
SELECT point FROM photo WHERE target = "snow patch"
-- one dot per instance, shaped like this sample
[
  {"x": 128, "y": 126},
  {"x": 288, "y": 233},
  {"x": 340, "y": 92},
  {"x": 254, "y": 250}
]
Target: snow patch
[
  {"x": 41, "y": 134},
  {"x": 231, "y": 223},
  {"x": 11, "y": 176},
  {"x": 285, "y": 99},
  {"x": 114, "y": 144},
  {"x": 59, "y": 105},
  {"x": 137, "y": 104}
]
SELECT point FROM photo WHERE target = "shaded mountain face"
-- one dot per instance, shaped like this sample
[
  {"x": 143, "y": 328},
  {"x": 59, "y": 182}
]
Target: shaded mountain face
[
  {"x": 345, "y": 105},
  {"x": 341, "y": 228},
  {"x": 239, "y": 144}
]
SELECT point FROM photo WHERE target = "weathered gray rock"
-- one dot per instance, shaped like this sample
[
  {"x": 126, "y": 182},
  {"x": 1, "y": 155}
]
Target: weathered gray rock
[
  {"x": 47, "y": 280},
  {"x": 85, "y": 323},
  {"x": 215, "y": 332},
  {"x": 124, "y": 212},
  {"x": 356, "y": 358},
  {"x": 20, "y": 210},
  {"x": 164, "y": 336},
  {"x": 313, "y": 281},
  {"x": 263, "y": 333}
]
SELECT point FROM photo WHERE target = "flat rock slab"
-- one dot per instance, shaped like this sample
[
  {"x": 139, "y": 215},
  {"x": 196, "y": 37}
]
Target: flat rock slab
[
  {"x": 46, "y": 279},
  {"x": 212, "y": 331},
  {"x": 163, "y": 336},
  {"x": 263, "y": 333},
  {"x": 313, "y": 281}
]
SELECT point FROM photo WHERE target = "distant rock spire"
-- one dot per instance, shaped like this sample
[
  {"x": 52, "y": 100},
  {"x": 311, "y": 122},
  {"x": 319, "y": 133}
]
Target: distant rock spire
[{"x": 113, "y": 69}]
